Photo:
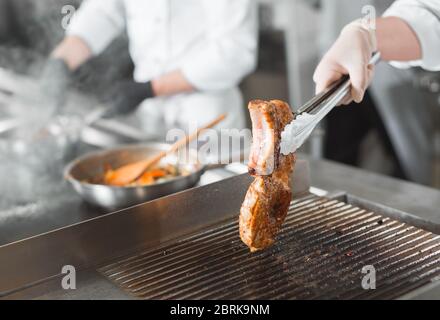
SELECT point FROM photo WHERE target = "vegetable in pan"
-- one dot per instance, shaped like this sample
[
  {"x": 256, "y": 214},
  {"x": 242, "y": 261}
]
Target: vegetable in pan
[{"x": 157, "y": 174}]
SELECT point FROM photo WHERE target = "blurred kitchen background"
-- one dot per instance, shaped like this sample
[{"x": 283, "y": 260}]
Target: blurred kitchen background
[{"x": 395, "y": 132}]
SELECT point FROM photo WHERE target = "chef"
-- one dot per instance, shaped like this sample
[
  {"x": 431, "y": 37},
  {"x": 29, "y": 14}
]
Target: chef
[
  {"x": 407, "y": 35},
  {"x": 189, "y": 57}
]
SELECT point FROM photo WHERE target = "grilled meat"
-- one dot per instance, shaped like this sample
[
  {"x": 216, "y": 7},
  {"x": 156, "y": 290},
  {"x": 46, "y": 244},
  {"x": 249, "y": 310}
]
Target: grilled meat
[
  {"x": 263, "y": 212},
  {"x": 265, "y": 124},
  {"x": 267, "y": 200}
]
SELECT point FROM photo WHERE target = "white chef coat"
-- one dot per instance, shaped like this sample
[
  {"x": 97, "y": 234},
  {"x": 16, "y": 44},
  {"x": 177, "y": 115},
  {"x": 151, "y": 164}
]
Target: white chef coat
[
  {"x": 423, "y": 16},
  {"x": 214, "y": 44}
]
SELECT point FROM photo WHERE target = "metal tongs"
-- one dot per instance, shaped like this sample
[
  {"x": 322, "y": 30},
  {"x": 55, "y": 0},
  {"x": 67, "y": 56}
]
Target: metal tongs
[{"x": 310, "y": 114}]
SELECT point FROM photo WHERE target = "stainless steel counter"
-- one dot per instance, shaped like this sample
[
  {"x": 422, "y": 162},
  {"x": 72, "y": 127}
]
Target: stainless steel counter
[{"x": 422, "y": 202}]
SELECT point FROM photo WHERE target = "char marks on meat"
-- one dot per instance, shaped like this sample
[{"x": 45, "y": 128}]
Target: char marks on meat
[{"x": 268, "y": 198}]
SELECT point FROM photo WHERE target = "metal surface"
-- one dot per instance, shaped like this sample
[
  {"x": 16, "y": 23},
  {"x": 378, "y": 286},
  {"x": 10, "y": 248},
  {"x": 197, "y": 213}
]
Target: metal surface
[
  {"x": 92, "y": 242},
  {"x": 422, "y": 202},
  {"x": 97, "y": 241},
  {"x": 39, "y": 259},
  {"x": 92, "y": 166},
  {"x": 32, "y": 203},
  {"x": 339, "y": 90},
  {"x": 319, "y": 255},
  {"x": 50, "y": 204},
  {"x": 102, "y": 130},
  {"x": 106, "y": 133}
]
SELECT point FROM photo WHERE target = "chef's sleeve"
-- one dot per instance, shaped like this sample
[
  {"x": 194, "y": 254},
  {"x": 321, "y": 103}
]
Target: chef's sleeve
[
  {"x": 423, "y": 16},
  {"x": 98, "y": 22},
  {"x": 229, "y": 51}
]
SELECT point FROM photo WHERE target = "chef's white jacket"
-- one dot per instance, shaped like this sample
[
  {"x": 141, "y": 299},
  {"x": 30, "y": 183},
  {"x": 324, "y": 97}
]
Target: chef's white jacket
[
  {"x": 213, "y": 42},
  {"x": 423, "y": 16}
]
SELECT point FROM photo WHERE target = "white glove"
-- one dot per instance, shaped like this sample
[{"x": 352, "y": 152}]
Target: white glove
[{"x": 350, "y": 54}]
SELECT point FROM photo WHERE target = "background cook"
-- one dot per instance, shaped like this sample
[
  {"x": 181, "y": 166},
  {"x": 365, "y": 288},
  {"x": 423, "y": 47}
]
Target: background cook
[{"x": 189, "y": 57}]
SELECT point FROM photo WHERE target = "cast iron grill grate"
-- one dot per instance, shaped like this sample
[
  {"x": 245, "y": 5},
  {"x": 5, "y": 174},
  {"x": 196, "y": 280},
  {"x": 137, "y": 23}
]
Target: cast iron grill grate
[{"x": 319, "y": 254}]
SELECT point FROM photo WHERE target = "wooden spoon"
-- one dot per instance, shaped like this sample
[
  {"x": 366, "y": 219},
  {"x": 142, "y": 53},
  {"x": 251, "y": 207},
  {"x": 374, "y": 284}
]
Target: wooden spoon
[{"x": 129, "y": 173}]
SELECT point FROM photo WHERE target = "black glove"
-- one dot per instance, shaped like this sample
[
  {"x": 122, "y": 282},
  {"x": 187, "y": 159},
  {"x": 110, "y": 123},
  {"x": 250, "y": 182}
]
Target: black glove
[
  {"x": 54, "y": 82},
  {"x": 126, "y": 96}
]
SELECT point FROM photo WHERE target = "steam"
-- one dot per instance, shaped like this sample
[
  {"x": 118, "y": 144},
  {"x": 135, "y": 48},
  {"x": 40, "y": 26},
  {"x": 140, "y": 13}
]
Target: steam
[{"x": 33, "y": 156}]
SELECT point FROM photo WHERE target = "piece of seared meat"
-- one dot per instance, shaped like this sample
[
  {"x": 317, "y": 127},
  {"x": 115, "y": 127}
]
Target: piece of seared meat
[
  {"x": 265, "y": 125},
  {"x": 263, "y": 212},
  {"x": 268, "y": 198}
]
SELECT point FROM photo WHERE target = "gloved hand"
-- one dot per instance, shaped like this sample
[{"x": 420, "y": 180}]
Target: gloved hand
[
  {"x": 126, "y": 96},
  {"x": 54, "y": 82},
  {"x": 350, "y": 54}
]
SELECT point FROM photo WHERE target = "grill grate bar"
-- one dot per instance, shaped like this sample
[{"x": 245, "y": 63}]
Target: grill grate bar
[
  {"x": 182, "y": 246},
  {"x": 350, "y": 275},
  {"x": 406, "y": 270},
  {"x": 294, "y": 258},
  {"x": 323, "y": 263},
  {"x": 405, "y": 287},
  {"x": 197, "y": 265},
  {"x": 369, "y": 256},
  {"x": 319, "y": 254},
  {"x": 137, "y": 265}
]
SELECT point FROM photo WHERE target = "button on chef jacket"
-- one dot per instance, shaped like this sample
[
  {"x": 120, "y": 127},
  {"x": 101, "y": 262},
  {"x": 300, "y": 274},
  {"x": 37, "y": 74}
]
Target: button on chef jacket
[
  {"x": 423, "y": 16},
  {"x": 213, "y": 42}
]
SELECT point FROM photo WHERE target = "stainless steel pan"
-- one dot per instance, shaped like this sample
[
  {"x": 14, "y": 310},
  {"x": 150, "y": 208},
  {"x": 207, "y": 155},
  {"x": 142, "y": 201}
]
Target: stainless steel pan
[{"x": 92, "y": 165}]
